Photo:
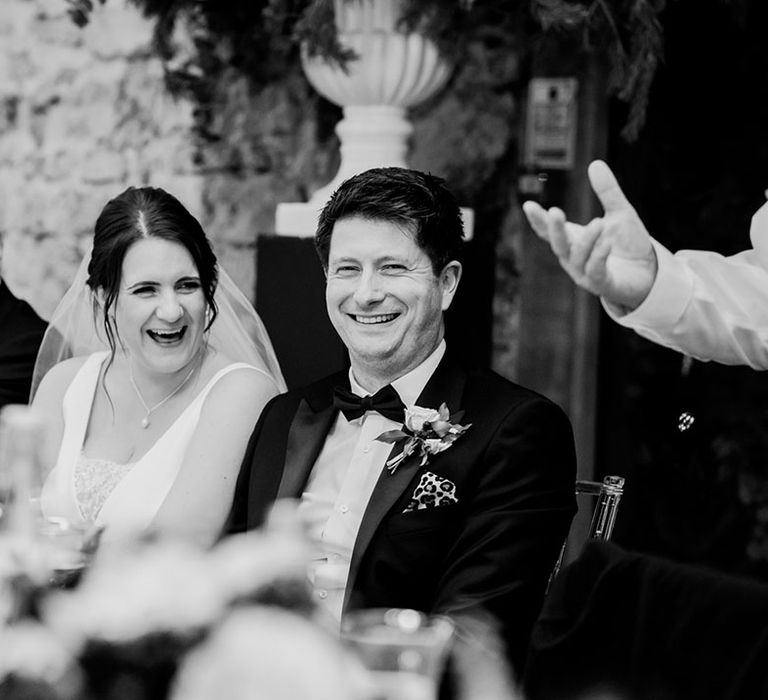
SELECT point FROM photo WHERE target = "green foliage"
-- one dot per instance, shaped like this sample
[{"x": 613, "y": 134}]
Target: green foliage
[
  {"x": 630, "y": 35},
  {"x": 261, "y": 38}
]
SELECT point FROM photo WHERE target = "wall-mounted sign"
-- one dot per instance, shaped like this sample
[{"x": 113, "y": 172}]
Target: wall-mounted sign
[{"x": 550, "y": 125}]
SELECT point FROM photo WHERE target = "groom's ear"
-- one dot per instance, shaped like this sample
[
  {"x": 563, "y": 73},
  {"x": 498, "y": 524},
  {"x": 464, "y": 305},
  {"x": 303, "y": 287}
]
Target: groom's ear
[{"x": 449, "y": 279}]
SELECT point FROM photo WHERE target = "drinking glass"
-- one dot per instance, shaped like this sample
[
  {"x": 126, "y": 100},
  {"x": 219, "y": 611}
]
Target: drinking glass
[{"x": 404, "y": 650}]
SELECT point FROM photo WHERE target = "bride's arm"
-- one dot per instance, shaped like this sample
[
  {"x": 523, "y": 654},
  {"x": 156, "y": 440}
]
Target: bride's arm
[
  {"x": 49, "y": 400},
  {"x": 200, "y": 498}
]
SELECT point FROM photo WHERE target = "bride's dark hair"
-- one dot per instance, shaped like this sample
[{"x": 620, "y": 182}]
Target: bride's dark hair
[{"x": 138, "y": 213}]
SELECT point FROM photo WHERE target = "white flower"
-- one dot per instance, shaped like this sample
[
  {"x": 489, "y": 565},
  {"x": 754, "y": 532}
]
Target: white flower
[
  {"x": 243, "y": 563},
  {"x": 165, "y": 586},
  {"x": 416, "y": 416},
  {"x": 261, "y": 652},
  {"x": 31, "y": 651},
  {"x": 19, "y": 557},
  {"x": 436, "y": 445}
]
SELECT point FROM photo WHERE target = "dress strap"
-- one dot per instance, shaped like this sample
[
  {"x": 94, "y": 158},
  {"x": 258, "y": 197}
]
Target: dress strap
[
  {"x": 76, "y": 407},
  {"x": 222, "y": 372}
]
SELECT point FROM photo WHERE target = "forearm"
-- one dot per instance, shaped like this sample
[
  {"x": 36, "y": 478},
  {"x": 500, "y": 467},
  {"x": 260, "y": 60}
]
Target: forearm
[{"x": 706, "y": 305}]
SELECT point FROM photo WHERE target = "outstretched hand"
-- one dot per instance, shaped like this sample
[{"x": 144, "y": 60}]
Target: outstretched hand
[{"x": 612, "y": 255}]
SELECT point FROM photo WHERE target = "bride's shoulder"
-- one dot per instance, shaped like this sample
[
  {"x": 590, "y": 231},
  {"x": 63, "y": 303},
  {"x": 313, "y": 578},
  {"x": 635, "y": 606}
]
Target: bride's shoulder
[
  {"x": 239, "y": 385},
  {"x": 231, "y": 373},
  {"x": 66, "y": 369},
  {"x": 58, "y": 378}
]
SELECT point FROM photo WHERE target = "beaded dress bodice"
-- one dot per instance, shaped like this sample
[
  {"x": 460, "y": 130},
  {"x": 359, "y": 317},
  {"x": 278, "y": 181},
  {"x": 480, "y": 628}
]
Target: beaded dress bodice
[{"x": 95, "y": 479}]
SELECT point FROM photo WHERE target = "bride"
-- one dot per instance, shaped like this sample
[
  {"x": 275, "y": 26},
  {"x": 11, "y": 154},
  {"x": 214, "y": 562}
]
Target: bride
[{"x": 168, "y": 370}]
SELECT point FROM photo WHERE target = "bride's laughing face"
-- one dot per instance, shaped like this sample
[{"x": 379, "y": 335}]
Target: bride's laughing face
[{"x": 160, "y": 311}]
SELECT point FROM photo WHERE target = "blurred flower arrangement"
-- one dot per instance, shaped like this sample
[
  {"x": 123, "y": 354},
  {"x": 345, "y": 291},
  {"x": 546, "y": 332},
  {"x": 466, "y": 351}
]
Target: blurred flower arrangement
[{"x": 161, "y": 619}]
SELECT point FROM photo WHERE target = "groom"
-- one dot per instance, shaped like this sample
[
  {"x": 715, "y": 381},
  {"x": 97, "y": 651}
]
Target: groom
[{"x": 473, "y": 528}]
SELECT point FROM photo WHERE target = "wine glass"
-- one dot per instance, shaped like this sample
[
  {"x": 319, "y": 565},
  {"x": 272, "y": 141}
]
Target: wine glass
[{"x": 404, "y": 650}]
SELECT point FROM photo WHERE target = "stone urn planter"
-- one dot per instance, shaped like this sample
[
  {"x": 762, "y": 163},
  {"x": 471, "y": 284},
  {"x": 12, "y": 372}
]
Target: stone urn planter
[{"x": 393, "y": 71}]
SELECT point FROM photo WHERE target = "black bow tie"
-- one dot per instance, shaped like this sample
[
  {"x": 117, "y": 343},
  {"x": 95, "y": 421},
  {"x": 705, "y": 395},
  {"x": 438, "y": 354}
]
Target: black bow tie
[{"x": 385, "y": 401}]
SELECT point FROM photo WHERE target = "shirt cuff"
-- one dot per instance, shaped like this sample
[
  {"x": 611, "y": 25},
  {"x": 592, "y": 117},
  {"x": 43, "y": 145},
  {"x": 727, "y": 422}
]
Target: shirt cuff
[{"x": 668, "y": 298}]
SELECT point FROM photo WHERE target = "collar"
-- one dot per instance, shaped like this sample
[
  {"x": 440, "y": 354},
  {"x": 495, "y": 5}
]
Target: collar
[{"x": 410, "y": 385}]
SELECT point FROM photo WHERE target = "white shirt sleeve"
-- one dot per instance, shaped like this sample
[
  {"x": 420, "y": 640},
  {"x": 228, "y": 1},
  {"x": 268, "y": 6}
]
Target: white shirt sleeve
[{"x": 709, "y": 306}]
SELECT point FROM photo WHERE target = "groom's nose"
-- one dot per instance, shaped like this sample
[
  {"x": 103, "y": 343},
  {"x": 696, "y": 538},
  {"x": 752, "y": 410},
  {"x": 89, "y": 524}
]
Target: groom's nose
[{"x": 368, "y": 289}]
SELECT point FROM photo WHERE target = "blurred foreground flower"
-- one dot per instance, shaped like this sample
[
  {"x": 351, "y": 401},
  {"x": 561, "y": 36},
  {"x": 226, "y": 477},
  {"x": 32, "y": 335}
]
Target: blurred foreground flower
[
  {"x": 24, "y": 572},
  {"x": 35, "y": 664},
  {"x": 140, "y": 610},
  {"x": 270, "y": 654}
]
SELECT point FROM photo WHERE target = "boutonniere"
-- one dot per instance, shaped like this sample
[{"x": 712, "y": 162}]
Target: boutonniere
[{"x": 426, "y": 432}]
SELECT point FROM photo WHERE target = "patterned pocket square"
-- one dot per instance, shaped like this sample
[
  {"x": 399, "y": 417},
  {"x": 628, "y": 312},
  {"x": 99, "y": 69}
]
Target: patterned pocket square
[{"x": 432, "y": 492}]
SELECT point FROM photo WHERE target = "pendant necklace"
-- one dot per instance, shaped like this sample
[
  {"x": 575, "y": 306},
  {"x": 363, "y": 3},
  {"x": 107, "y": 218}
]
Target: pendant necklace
[{"x": 145, "y": 421}]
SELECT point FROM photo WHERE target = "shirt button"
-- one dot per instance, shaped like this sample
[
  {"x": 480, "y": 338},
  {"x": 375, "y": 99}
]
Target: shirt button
[
  {"x": 367, "y": 449},
  {"x": 322, "y": 593},
  {"x": 344, "y": 509}
]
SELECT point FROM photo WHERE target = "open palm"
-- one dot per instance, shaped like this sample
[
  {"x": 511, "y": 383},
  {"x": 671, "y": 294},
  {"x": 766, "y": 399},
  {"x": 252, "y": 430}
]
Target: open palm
[{"x": 612, "y": 255}]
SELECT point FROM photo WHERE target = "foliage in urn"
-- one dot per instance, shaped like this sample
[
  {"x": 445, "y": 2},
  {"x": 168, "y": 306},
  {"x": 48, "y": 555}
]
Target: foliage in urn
[{"x": 261, "y": 38}]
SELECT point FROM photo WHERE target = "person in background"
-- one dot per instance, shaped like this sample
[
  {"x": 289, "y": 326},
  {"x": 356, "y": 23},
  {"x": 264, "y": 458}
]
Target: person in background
[
  {"x": 706, "y": 305},
  {"x": 424, "y": 484},
  {"x": 638, "y": 624},
  {"x": 21, "y": 331},
  {"x": 151, "y": 416}
]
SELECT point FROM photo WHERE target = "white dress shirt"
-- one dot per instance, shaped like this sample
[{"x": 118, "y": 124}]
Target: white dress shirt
[
  {"x": 341, "y": 483},
  {"x": 707, "y": 305}
]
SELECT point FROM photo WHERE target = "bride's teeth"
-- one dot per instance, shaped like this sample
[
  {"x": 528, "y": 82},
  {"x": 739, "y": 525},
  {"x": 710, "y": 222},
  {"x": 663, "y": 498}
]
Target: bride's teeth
[{"x": 166, "y": 334}]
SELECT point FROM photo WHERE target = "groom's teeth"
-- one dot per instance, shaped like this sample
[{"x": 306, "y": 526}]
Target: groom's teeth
[{"x": 382, "y": 318}]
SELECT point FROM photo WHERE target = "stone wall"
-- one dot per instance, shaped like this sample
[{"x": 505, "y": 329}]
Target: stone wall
[{"x": 83, "y": 114}]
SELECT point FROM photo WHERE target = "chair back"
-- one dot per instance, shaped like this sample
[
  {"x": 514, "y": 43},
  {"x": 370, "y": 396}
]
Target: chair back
[{"x": 608, "y": 493}]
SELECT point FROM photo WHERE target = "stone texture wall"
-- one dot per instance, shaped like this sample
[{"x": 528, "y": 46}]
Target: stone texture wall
[{"x": 84, "y": 113}]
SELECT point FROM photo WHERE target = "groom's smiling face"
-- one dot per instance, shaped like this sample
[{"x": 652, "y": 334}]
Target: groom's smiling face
[{"x": 384, "y": 299}]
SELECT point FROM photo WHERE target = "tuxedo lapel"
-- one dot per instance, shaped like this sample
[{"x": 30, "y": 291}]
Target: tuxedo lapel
[
  {"x": 446, "y": 385},
  {"x": 306, "y": 437},
  {"x": 305, "y": 440}
]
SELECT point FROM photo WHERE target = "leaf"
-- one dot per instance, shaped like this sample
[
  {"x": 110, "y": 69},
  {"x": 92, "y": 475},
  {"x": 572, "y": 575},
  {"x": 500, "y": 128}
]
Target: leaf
[{"x": 391, "y": 436}]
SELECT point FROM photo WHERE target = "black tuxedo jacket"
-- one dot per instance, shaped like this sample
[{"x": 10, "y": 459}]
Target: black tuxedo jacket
[
  {"x": 490, "y": 552},
  {"x": 21, "y": 331}
]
